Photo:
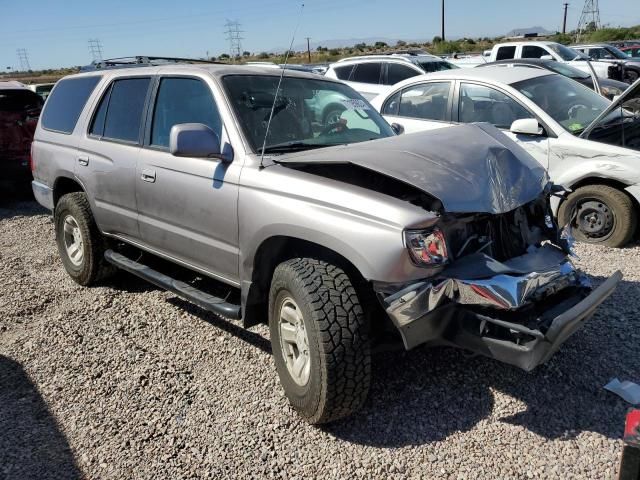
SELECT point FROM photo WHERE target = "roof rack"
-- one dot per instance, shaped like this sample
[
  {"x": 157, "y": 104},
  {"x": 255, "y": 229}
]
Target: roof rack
[{"x": 141, "y": 61}]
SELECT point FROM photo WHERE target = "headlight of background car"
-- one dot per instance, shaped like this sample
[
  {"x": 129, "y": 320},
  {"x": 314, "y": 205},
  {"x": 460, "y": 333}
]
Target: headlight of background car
[
  {"x": 611, "y": 92},
  {"x": 427, "y": 247}
]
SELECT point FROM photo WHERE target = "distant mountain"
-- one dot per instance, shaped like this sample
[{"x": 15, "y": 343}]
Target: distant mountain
[
  {"x": 521, "y": 32},
  {"x": 347, "y": 42}
]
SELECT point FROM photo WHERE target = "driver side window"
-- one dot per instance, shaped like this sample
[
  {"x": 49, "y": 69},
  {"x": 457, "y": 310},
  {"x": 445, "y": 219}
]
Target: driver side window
[{"x": 479, "y": 103}]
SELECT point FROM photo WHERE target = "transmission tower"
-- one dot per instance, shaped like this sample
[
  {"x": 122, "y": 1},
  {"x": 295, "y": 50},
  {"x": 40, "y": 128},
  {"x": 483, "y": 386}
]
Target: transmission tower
[
  {"x": 233, "y": 36},
  {"x": 590, "y": 18},
  {"x": 95, "y": 48},
  {"x": 23, "y": 57}
]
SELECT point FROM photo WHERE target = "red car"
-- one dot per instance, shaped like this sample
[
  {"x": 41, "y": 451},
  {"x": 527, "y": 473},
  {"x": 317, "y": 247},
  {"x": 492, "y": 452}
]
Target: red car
[
  {"x": 630, "y": 462},
  {"x": 19, "y": 112},
  {"x": 632, "y": 51}
]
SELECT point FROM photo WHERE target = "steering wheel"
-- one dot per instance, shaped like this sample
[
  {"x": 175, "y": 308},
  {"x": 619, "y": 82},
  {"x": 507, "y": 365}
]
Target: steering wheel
[
  {"x": 573, "y": 111},
  {"x": 338, "y": 127}
]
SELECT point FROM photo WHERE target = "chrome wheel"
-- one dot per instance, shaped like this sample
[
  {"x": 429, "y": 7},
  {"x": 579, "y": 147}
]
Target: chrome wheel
[
  {"x": 294, "y": 341},
  {"x": 73, "y": 242}
]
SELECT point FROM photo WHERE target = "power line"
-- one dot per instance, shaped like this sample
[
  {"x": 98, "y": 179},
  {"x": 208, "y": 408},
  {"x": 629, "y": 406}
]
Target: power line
[
  {"x": 590, "y": 18},
  {"x": 95, "y": 48},
  {"x": 23, "y": 57},
  {"x": 234, "y": 38}
]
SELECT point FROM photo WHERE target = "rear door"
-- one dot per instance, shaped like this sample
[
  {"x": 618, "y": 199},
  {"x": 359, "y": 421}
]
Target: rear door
[
  {"x": 188, "y": 206},
  {"x": 106, "y": 163},
  {"x": 424, "y": 106}
]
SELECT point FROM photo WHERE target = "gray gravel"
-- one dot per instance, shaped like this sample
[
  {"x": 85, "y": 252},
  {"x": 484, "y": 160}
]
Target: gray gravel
[{"x": 127, "y": 381}]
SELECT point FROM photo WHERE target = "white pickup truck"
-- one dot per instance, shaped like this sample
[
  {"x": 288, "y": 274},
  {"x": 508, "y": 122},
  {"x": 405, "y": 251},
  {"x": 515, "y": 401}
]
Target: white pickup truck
[{"x": 551, "y": 51}]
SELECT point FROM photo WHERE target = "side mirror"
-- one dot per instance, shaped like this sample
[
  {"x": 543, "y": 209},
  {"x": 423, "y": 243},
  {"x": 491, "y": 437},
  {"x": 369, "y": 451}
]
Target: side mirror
[
  {"x": 526, "y": 126},
  {"x": 397, "y": 128},
  {"x": 546, "y": 57},
  {"x": 196, "y": 140}
]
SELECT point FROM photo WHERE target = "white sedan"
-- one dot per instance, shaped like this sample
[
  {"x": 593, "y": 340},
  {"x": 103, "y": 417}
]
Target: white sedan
[{"x": 588, "y": 144}]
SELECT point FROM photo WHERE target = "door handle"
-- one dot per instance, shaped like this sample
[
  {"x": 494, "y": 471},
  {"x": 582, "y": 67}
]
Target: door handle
[
  {"x": 148, "y": 175},
  {"x": 83, "y": 160}
]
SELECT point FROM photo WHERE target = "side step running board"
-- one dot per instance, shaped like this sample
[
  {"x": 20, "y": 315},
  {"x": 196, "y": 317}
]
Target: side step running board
[{"x": 186, "y": 291}]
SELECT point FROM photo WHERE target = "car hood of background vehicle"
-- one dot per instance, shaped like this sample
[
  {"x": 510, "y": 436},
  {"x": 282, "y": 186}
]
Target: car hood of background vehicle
[{"x": 469, "y": 168}]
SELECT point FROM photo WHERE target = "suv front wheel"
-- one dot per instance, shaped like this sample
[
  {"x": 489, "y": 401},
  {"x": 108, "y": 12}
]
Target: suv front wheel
[
  {"x": 320, "y": 339},
  {"x": 80, "y": 243}
]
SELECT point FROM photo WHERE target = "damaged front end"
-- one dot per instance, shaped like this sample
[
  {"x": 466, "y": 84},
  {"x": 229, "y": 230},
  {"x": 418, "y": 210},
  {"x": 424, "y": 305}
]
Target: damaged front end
[{"x": 499, "y": 285}]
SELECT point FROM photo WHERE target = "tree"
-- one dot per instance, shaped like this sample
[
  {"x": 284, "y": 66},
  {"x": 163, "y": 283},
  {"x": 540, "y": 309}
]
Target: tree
[
  {"x": 225, "y": 56},
  {"x": 246, "y": 54},
  {"x": 263, "y": 55},
  {"x": 321, "y": 49},
  {"x": 401, "y": 43},
  {"x": 361, "y": 46},
  {"x": 436, "y": 39},
  {"x": 380, "y": 45},
  {"x": 334, "y": 51}
]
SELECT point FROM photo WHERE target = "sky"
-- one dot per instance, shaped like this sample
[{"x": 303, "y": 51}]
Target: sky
[{"x": 55, "y": 33}]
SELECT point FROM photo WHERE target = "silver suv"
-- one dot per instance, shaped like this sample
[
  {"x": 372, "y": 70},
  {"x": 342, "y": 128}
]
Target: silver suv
[{"x": 338, "y": 235}]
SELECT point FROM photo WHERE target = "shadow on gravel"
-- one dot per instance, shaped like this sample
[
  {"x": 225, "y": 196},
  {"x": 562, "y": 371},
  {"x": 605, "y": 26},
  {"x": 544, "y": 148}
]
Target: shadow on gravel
[
  {"x": 31, "y": 444},
  {"x": 18, "y": 202},
  {"x": 428, "y": 394},
  {"x": 228, "y": 326}
]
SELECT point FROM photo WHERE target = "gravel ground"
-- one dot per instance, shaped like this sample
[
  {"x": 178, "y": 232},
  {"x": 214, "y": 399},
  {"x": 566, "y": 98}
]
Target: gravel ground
[{"x": 127, "y": 381}]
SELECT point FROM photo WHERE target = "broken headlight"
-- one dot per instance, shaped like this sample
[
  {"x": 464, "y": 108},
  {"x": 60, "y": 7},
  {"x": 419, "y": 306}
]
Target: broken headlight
[{"x": 427, "y": 247}]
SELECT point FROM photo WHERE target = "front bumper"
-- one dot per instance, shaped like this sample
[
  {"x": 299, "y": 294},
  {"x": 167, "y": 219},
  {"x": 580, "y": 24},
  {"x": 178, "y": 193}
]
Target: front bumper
[{"x": 517, "y": 318}]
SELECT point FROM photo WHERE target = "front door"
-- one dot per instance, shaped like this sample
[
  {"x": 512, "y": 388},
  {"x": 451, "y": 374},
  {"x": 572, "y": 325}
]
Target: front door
[{"x": 187, "y": 207}]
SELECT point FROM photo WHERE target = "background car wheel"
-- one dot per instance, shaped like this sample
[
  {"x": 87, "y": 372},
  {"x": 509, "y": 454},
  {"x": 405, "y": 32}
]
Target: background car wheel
[
  {"x": 601, "y": 214},
  {"x": 80, "y": 243},
  {"x": 320, "y": 339},
  {"x": 631, "y": 76},
  {"x": 332, "y": 114}
]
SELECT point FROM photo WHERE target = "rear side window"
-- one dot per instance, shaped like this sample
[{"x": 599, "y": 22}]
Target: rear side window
[
  {"x": 19, "y": 101},
  {"x": 183, "y": 100},
  {"x": 367, "y": 73},
  {"x": 397, "y": 73},
  {"x": 343, "y": 73},
  {"x": 66, "y": 102},
  {"x": 505, "y": 53},
  {"x": 119, "y": 115},
  {"x": 533, "y": 51}
]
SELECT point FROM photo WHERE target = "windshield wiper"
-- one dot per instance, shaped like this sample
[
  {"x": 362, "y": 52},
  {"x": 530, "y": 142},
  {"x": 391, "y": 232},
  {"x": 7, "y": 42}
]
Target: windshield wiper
[{"x": 295, "y": 146}]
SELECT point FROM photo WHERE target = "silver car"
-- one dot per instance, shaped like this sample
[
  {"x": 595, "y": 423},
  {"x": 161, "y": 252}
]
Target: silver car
[{"x": 337, "y": 234}]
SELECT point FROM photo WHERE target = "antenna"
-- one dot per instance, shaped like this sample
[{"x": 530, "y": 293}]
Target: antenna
[{"x": 275, "y": 97}]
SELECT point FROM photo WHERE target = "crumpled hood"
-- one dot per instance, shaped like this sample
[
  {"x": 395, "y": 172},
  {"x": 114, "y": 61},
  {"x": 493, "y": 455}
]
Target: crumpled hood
[{"x": 469, "y": 168}]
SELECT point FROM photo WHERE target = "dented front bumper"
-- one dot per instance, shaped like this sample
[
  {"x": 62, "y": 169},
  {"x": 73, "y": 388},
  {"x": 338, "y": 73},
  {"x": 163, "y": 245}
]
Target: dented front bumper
[{"x": 516, "y": 316}]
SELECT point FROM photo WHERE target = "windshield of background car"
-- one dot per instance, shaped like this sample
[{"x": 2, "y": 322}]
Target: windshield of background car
[
  {"x": 567, "y": 53},
  {"x": 567, "y": 70},
  {"x": 436, "y": 66},
  {"x": 569, "y": 103},
  {"x": 308, "y": 113}
]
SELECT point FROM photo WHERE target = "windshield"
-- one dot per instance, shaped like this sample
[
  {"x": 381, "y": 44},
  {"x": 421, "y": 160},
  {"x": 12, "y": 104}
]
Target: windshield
[
  {"x": 616, "y": 53},
  {"x": 621, "y": 127},
  {"x": 436, "y": 66},
  {"x": 567, "y": 70},
  {"x": 308, "y": 113},
  {"x": 566, "y": 53},
  {"x": 569, "y": 103}
]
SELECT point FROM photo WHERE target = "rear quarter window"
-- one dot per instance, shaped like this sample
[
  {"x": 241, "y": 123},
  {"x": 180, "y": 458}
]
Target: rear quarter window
[{"x": 65, "y": 103}]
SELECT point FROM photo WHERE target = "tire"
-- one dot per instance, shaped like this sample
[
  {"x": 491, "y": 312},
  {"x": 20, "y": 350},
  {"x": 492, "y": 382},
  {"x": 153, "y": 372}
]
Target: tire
[
  {"x": 332, "y": 114},
  {"x": 603, "y": 215},
  {"x": 630, "y": 76},
  {"x": 338, "y": 368},
  {"x": 86, "y": 265}
]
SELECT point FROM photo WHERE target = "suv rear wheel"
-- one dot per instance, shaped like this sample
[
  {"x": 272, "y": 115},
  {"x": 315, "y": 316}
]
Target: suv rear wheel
[
  {"x": 601, "y": 214},
  {"x": 80, "y": 243},
  {"x": 320, "y": 339}
]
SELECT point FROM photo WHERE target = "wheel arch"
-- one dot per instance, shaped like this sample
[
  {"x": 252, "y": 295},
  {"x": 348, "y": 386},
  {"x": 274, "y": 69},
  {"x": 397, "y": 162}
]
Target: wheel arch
[
  {"x": 610, "y": 182},
  {"x": 277, "y": 249},
  {"x": 64, "y": 185}
]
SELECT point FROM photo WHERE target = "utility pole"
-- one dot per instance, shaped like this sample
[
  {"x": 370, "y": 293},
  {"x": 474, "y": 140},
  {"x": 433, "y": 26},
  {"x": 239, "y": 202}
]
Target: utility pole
[
  {"x": 95, "y": 48},
  {"x": 309, "y": 49},
  {"x": 564, "y": 22},
  {"x": 23, "y": 57},
  {"x": 442, "y": 30},
  {"x": 235, "y": 40}
]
